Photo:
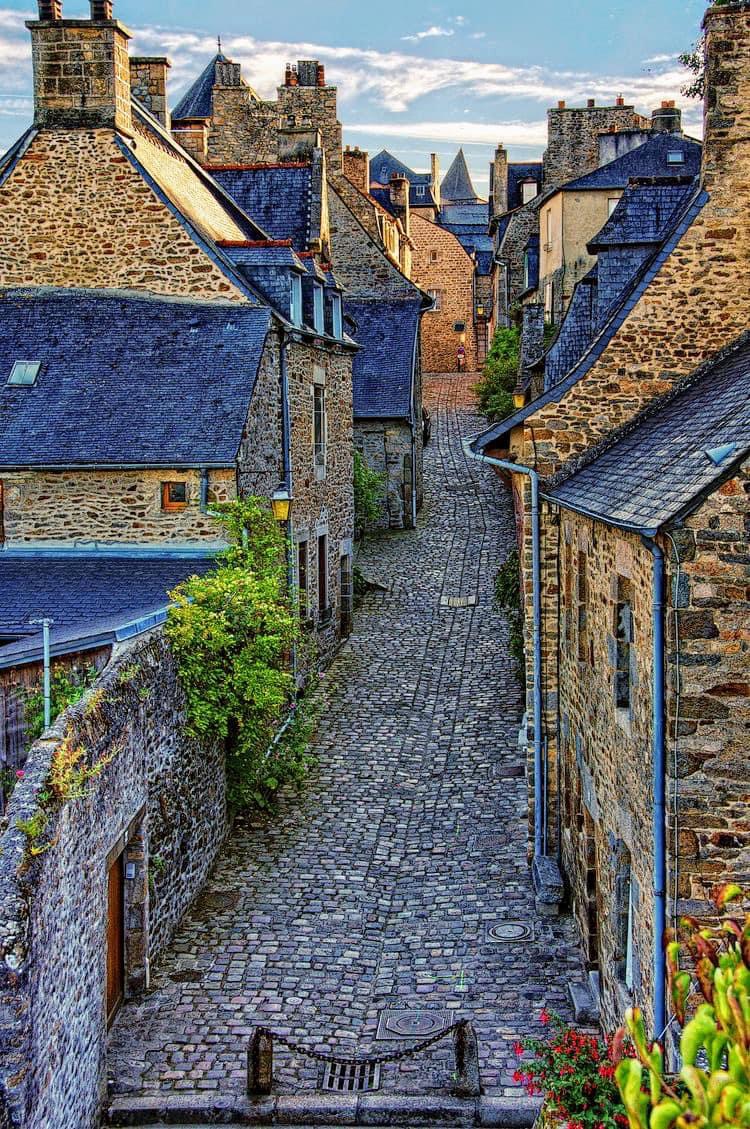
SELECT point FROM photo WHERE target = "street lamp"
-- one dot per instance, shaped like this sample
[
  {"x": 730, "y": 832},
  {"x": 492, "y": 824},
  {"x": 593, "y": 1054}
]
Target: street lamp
[{"x": 281, "y": 503}]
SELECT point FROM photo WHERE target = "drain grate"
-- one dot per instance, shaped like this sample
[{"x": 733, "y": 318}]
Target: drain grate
[
  {"x": 458, "y": 601},
  {"x": 412, "y": 1024},
  {"x": 346, "y": 1077},
  {"x": 488, "y": 840},
  {"x": 510, "y": 932}
]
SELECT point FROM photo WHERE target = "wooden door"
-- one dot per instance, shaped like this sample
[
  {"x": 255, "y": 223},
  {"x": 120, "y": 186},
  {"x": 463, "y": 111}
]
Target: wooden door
[{"x": 115, "y": 938}]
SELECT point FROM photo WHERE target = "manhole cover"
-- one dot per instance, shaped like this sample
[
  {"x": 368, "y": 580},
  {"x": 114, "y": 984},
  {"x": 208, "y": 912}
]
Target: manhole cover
[
  {"x": 458, "y": 601},
  {"x": 347, "y": 1076},
  {"x": 510, "y": 931},
  {"x": 412, "y": 1024},
  {"x": 489, "y": 840}
]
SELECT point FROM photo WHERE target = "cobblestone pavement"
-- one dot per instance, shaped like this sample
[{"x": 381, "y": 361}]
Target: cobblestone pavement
[{"x": 376, "y": 889}]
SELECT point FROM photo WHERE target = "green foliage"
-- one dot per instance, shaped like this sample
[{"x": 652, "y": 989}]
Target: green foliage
[
  {"x": 368, "y": 492},
  {"x": 67, "y": 686},
  {"x": 232, "y": 632},
  {"x": 717, "y": 1092},
  {"x": 574, "y": 1072},
  {"x": 508, "y": 597},
  {"x": 495, "y": 390},
  {"x": 694, "y": 61},
  {"x": 34, "y": 829}
]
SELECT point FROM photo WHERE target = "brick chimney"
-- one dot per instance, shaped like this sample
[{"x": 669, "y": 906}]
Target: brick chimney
[
  {"x": 357, "y": 168},
  {"x": 726, "y": 110},
  {"x": 666, "y": 119},
  {"x": 399, "y": 190},
  {"x": 148, "y": 82},
  {"x": 81, "y": 69},
  {"x": 192, "y": 135},
  {"x": 435, "y": 177},
  {"x": 500, "y": 182}
]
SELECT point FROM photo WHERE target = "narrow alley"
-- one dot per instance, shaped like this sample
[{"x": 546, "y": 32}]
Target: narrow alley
[{"x": 378, "y": 888}]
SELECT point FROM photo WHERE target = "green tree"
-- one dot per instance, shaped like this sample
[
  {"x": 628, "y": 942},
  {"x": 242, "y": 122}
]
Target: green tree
[
  {"x": 495, "y": 389},
  {"x": 714, "y": 1081}
]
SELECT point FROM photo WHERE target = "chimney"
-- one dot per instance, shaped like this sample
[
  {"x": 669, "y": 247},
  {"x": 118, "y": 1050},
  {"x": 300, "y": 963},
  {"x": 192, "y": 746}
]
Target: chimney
[
  {"x": 435, "y": 177},
  {"x": 357, "y": 168},
  {"x": 500, "y": 182},
  {"x": 619, "y": 100},
  {"x": 561, "y": 104},
  {"x": 726, "y": 110},
  {"x": 81, "y": 69},
  {"x": 320, "y": 75},
  {"x": 591, "y": 102},
  {"x": 148, "y": 83},
  {"x": 399, "y": 190},
  {"x": 297, "y": 142},
  {"x": 667, "y": 119},
  {"x": 192, "y": 135}
]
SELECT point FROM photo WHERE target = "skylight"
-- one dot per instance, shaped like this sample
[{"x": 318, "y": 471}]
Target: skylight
[
  {"x": 24, "y": 372},
  {"x": 675, "y": 157}
]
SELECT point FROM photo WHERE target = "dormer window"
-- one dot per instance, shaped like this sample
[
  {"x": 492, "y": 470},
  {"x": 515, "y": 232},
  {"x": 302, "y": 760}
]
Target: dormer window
[
  {"x": 420, "y": 190},
  {"x": 383, "y": 174},
  {"x": 295, "y": 300},
  {"x": 338, "y": 322},
  {"x": 675, "y": 157},
  {"x": 528, "y": 191},
  {"x": 318, "y": 316},
  {"x": 24, "y": 373}
]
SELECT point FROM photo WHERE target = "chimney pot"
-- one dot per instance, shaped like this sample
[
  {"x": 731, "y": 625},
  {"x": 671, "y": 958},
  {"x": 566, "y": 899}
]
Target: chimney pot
[
  {"x": 321, "y": 74},
  {"x": 591, "y": 103},
  {"x": 619, "y": 100},
  {"x": 101, "y": 10},
  {"x": 561, "y": 104},
  {"x": 50, "y": 9}
]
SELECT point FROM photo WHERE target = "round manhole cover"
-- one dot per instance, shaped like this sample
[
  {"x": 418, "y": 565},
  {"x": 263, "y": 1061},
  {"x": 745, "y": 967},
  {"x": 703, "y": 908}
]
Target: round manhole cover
[
  {"x": 419, "y": 1023},
  {"x": 510, "y": 931}
]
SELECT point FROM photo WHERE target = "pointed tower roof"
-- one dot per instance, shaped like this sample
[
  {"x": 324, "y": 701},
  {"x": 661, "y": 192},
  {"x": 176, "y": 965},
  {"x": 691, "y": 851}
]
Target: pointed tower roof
[
  {"x": 457, "y": 186},
  {"x": 196, "y": 102}
]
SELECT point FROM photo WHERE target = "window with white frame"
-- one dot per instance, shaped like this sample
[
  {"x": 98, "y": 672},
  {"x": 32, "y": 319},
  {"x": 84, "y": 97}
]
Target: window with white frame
[
  {"x": 295, "y": 300},
  {"x": 338, "y": 322},
  {"x": 528, "y": 191},
  {"x": 320, "y": 422},
  {"x": 612, "y": 203},
  {"x": 437, "y": 297},
  {"x": 318, "y": 314}
]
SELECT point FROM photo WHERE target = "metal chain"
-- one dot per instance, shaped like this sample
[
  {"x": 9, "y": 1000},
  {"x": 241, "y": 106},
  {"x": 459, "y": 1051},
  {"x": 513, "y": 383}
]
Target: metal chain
[{"x": 395, "y": 1056}]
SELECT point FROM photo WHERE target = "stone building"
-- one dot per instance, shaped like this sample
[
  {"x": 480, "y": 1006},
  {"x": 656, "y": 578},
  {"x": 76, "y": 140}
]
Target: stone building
[
  {"x": 287, "y": 166},
  {"x": 641, "y": 448}
]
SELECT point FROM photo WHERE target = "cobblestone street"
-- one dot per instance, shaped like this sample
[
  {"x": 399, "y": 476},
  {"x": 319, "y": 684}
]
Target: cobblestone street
[{"x": 377, "y": 888}]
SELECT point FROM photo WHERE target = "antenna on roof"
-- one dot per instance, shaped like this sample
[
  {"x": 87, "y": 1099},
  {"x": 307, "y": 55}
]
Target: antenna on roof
[{"x": 218, "y": 43}]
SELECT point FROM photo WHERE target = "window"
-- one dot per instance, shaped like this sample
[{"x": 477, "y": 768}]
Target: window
[
  {"x": 549, "y": 301},
  {"x": 526, "y": 271},
  {"x": 548, "y": 222},
  {"x": 582, "y": 601},
  {"x": 433, "y": 256},
  {"x": 624, "y": 640},
  {"x": 173, "y": 495},
  {"x": 383, "y": 174},
  {"x": 437, "y": 298},
  {"x": 528, "y": 191},
  {"x": 624, "y": 909},
  {"x": 675, "y": 157},
  {"x": 318, "y": 319},
  {"x": 347, "y": 593},
  {"x": 302, "y": 583},
  {"x": 459, "y": 327},
  {"x": 319, "y": 420},
  {"x": 323, "y": 575},
  {"x": 420, "y": 190},
  {"x": 338, "y": 324},
  {"x": 295, "y": 300},
  {"x": 24, "y": 373},
  {"x": 612, "y": 203}
]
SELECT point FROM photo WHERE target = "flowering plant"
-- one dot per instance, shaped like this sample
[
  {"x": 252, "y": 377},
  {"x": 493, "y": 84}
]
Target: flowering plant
[{"x": 575, "y": 1073}]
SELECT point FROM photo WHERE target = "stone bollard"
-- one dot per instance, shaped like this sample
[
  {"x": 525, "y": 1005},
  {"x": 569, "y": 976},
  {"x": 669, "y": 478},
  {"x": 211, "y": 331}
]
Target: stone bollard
[
  {"x": 260, "y": 1062},
  {"x": 465, "y": 1048}
]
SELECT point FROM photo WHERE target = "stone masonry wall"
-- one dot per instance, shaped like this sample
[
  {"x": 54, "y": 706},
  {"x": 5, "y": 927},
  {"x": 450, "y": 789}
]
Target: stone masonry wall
[
  {"x": 160, "y": 797},
  {"x": 362, "y": 266},
  {"x": 384, "y": 445},
  {"x": 111, "y": 507},
  {"x": 572, "y": 138},
  {"x": 441, "y": 264},
  {"x": 75, "y": 213}
]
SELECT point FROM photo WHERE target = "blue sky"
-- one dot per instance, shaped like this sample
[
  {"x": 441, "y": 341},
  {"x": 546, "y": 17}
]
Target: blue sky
[{"x": 415, "y": 78}]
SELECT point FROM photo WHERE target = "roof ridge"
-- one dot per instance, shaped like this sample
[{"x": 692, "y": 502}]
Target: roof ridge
[{"x": 259, "y": 165}]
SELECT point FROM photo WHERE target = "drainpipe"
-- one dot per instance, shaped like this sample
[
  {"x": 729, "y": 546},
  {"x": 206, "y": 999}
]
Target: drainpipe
[
  {"x": 204, "y": 490},
  {"x": 536, "y": 596},
  {"x": 45, "y": 624},
  {"x": 659, "y": 790}
]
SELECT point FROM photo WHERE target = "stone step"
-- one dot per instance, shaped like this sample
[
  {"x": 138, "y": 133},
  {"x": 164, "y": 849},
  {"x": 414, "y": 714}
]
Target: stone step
[{"x": 373, "y": 1109}]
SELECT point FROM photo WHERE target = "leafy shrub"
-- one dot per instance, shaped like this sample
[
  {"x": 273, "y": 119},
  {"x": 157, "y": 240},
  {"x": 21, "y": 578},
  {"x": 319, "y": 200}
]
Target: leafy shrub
[
  {"x": 716, "y": 1092},
  {"x": 232, "y": 631},
  {"x": 67, "y": 686},
  {"x": 574, "y": 1072},
  {"x": 495, "y": 390},
  {"x": 508, "y": 597},
  {"x": 368, "y": 492}
]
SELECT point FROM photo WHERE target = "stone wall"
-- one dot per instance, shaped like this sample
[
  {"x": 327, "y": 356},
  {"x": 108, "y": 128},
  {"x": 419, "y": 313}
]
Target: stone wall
[
  {"x": 572, "y": 138},
  {"x": 161, "y": 800},
  {"x": 442, "y": 265},
  {"x": 242, "y": 129},
  {"x": 387, "y": 449},
  {"x": 360, "y": 263},
  {"x": 50, "y": 509},
  {"x": 119, "y": 234},
  {"x": 524, "y": 223}
]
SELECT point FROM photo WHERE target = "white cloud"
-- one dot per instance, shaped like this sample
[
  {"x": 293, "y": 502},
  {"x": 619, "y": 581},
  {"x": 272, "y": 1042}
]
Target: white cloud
[
  {"x": 532, "y": 135},
  {"x": 433, "y": 32}
]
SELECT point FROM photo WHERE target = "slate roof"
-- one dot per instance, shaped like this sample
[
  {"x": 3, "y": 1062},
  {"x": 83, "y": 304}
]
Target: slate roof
[
  {"x": 658, "y": 466},
  {"x": 126, "y": 379},
  {"x": 517, "y": 173},
  {"x": 645, "y": 211},
  {"x": 264, "y": 255},
  {"x": 619, "y": 312},
  {"x": 383, "y": 369},
  {"x": 383, "y": 197},
  {"x": 92, "y": 598},
  {"x": 196, "y": 101},
  {"x": 277, "y": 197},
  {"x": 476, "y": 215},
  {"x": 457, "y": 185},
  {"x": 383, "y": 164},
  {"x": 649, "y": 159}
]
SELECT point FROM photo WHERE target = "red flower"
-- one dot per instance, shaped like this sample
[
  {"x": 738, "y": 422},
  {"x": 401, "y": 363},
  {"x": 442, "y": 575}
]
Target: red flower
[
  {"x": 606, "y": 1071},
  {"x": 518, "y": 1049},
  {"x": 544, "y": 1015},
  {"x": 20, "y": 774},
  {"x": 518, "y": 1076}
]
